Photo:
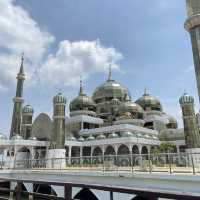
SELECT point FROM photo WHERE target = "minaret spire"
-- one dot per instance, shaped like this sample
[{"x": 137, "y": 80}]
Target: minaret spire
[
  {"x": 81, "y": 86},
  {"x": 110, "y": 73},
  {"x": 21, "y": 71},
  {"x": 18, "y": 101}
]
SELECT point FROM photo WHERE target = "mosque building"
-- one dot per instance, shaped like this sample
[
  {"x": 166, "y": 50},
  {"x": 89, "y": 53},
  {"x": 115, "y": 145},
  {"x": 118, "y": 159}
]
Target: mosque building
[{"x": 109, "y": 122}]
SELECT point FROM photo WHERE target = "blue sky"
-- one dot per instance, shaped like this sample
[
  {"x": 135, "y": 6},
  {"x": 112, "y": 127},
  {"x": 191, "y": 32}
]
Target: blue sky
[{"x": 144, "y": 40}]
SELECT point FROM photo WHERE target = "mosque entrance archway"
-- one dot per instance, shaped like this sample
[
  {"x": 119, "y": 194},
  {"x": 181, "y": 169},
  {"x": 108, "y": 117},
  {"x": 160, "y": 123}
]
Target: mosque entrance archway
[
  {"x": 97, "y": 156},
  {"x": 85, "y": 194},
  {"x": 87, "y": 155},
  {"x": 135, "y": 155},
  {"x": 75, "y": 155},
  {"x": 123, "y": 156}
]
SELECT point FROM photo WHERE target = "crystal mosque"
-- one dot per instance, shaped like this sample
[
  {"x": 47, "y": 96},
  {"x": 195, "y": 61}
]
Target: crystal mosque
[{"x": 107, "y": 123}]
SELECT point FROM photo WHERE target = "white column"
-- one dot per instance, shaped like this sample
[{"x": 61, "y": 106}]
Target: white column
[
  {"x": 81, "y": 155},
  {"x": 70, "y": 155}
]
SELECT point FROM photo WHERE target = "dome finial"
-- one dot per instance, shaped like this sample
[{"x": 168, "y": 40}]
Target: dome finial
[
  {"x": 110, "y": 73},
  {"x": 145, "y": 92},
  {"x": 81, "y": 86}
]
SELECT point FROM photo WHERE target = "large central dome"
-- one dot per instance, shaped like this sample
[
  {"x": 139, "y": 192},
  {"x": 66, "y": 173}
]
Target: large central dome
[{"x": 110, "y": 90}]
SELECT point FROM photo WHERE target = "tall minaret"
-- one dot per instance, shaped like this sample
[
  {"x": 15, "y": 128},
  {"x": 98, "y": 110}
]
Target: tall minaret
[
  {"x": 192, "y": 25},
  {"x": 59, "y": 102},
  {"x": 18, "y": 101},
  {"x": 192, "y": 136}
]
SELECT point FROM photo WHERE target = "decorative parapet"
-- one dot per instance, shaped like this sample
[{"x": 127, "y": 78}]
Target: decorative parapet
[{"x": 192, "y": 22}]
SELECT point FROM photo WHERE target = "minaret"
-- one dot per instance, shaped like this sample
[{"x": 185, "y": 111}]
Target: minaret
[
  {"x": 18, "y": 101},
  {"x": 27, "y": 121},
  {"x": 192, "y": 136},
  {"x": 59, "y": 102},
  {"x": 192, "y": 25}
]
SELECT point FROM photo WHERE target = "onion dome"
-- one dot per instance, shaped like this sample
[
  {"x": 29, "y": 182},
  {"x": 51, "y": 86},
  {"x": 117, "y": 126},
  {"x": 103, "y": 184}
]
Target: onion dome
[
  {"x": 101, "y": 137},
  {"x": 127, "y": 134},
  {"x": 70, "y": 138},
  {"x": 28, "y": 109},
  {"x": 17, "y": 137},
  {"x": 81, "y": 139},
  {"x": 149, "y": 102},
  {"x": 172, "y": 122},
  {"x": 113, "y": 135},
  {"x": 2, "y": 137},
  {"x": 110, "y": 90},
  {"x": 59, "y": 99},
  {"x": 171, "y": 135},
  {"x": 128, "y": 106},
  {"x": 90, "y": 138},
  {"x": 32, "y": 138},
  {"x": 82, "y": 102},
  {"x": 186, "y": 99}
]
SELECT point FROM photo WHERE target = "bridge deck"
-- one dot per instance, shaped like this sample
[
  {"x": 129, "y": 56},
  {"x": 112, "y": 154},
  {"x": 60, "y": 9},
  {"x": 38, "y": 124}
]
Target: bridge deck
[{"x": 167, "y": 186}]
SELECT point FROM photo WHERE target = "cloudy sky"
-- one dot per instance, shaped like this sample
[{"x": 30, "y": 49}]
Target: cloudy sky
[{"x": 144, "y": 40}]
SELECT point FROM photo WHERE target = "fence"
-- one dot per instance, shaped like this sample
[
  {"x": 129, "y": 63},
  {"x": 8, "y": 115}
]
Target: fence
[{"x": 165, "y": 162}]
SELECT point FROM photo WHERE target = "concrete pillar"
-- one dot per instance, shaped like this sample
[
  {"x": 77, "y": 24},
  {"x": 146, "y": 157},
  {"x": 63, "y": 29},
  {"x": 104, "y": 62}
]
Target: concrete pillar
[
  {"x": 81, "y": 155},
  {"x": 70, "y": 155}
]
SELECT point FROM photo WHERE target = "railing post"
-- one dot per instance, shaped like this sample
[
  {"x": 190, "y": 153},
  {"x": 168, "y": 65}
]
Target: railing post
[
  {"x": 149, "y": 159},
  {"x": 131, "y": 162},
  {"x": 193, "y": 167},
  {"x": 170, "y": 164},
  {"x": 18, "y": 191},
  {"x": 111, "y": 195},
  {"x": 68, "y": 192}
]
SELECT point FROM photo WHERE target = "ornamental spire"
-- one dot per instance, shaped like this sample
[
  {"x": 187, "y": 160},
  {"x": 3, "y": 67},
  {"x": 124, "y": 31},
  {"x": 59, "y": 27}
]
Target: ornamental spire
[
  {"x": 81, "y": 86},
  {"x": 110, "y": 73},
  {"x": 145, "y": 92},
  {"x": 21, "y": 71}
]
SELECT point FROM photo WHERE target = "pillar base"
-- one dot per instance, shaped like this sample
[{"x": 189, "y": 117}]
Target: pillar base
[
  {"x": 30, "y": 197},
  {"x": 56, "y": 159},
  {"x": 11, "y": 197}
]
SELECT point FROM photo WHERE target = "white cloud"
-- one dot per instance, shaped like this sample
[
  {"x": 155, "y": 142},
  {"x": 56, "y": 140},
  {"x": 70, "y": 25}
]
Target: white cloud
[
  {"x": 19, "y": 33},
  {"x": 77, "y": 58}
]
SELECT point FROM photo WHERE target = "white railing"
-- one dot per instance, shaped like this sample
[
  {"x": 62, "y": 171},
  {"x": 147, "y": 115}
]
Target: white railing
[{"x": 166, "y": 163}]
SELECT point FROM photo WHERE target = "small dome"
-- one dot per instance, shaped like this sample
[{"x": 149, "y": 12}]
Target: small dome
[
  {"x": 81, "y": 139},
  {"x": 90, "y": 138},
  {"x": 70, "y": 138},
  {"x": 32, "y": 138},
  {"x": 136, "y": 110},
  {"x": 186, "y": 98},
  {"x": 101, "y": 137},
  {"x": 172, "y": 122},
  {"x": 147, "y": 101},
  {"x": 17, "y": 137},
  {"x": 82, "y": 102},
  {"x": 59, "y": 98},
  {"x": 28, "y": 109},
  {"x": 113, "y": 135},
  {"x": 2, "y": 137},
  {"x": 127, "y": 134}
]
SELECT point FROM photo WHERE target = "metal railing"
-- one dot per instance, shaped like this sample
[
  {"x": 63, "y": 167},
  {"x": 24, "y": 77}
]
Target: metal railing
[{"x": 165, "y": 162}]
